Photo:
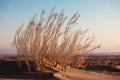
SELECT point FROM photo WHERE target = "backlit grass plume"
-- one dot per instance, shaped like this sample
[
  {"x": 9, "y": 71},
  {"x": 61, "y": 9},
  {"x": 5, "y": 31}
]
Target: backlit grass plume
[{"x": 51, "y": 42}]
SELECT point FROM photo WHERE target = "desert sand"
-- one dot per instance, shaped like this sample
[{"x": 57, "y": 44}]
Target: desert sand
[
  {"x": 9, "y": 71},
  {"x": 75, "y": 74}
]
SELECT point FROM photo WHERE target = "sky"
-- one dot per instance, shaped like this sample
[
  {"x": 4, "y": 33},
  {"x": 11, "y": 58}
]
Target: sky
[{"x": 102, "y": 17}]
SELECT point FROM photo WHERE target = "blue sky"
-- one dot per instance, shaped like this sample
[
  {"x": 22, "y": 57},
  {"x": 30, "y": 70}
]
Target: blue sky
[{"x": 102, "y": 17}]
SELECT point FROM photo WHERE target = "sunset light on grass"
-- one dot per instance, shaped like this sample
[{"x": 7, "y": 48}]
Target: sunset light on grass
[{"x": 60, "y": 39}]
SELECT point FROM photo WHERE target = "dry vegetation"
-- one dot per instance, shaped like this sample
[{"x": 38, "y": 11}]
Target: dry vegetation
[
  {"x": 3, "y": 57},
  {"x": 51, "y": 42}
]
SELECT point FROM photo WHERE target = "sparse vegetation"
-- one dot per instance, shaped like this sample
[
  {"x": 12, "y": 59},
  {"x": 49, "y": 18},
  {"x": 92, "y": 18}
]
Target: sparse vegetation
[
  {"x": 52, "y": 43},
  {"x": 3, "y": 57}
]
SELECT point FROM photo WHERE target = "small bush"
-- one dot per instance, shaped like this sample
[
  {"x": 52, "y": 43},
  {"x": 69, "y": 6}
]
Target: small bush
[{"x": 51, "y": 42}]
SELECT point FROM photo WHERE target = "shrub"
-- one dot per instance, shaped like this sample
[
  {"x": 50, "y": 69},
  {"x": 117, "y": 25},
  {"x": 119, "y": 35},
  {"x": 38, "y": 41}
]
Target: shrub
[{"x": 52, "y": 42}]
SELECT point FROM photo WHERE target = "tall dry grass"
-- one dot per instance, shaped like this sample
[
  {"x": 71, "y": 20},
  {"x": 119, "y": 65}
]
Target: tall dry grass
[{"x": 51, "y": 42}]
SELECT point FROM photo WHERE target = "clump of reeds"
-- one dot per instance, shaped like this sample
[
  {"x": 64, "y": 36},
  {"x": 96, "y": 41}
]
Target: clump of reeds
[{"x": 51, "y": 42}]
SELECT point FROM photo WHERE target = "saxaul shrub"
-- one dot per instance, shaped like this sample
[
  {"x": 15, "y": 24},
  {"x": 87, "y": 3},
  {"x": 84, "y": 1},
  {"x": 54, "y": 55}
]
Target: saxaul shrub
[{"x": 52, "y": 42}]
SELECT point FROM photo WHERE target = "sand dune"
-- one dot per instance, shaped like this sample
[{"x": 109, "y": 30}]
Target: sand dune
[
  {"x": 9, "y": 70},
  {"x": 85, "y": 75}
]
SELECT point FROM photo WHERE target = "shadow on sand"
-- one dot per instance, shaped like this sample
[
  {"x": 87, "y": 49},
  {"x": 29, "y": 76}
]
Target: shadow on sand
[
  {"x": 102, "y": 68},
  {"x": 10, "y": 70}
]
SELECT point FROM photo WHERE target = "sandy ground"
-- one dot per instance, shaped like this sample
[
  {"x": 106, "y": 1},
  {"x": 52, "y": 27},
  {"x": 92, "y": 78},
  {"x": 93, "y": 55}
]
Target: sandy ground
[
  {"x": 10, "y": 71},
  {"x": 74, "y": 74},
  {"x": 86, "y": 75}
]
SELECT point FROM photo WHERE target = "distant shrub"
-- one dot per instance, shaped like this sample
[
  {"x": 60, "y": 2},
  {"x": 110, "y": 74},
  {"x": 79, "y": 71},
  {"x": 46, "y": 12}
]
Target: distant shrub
[
  {"x": 51, "y": 42},
  {"x": 3, "y": 57}
]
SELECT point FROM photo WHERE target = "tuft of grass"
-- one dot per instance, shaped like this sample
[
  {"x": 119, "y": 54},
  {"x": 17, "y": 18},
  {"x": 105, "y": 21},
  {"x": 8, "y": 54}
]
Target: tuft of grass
[{"x": 51, "y": 42}]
